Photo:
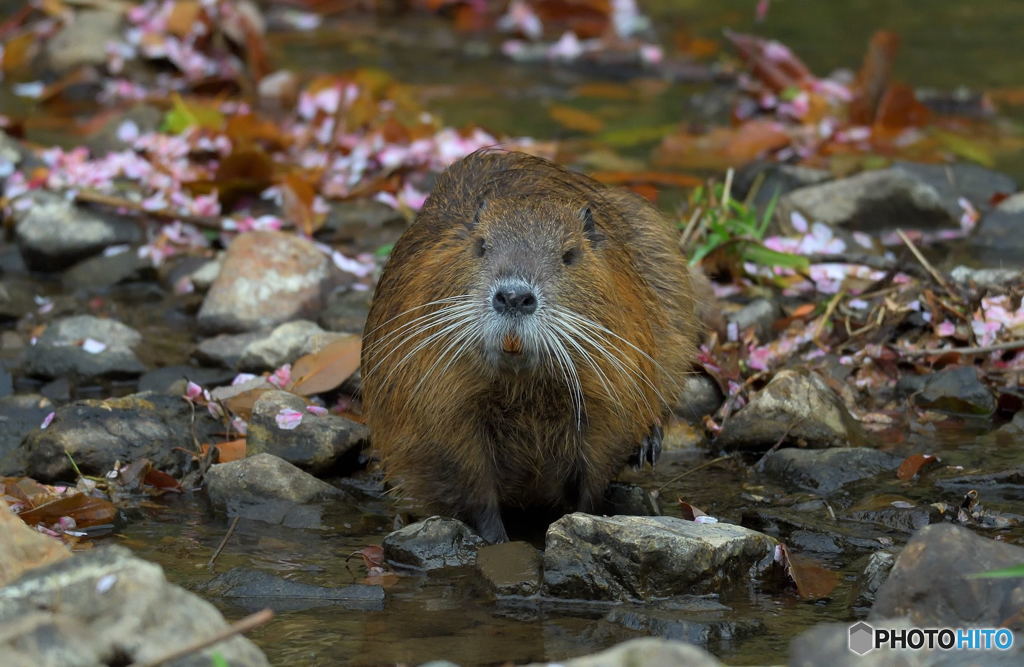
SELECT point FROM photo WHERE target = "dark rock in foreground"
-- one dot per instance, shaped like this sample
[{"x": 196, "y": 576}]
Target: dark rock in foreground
[
  {"x": 929, "y": 583},
  {"x": 826, "y": 470},
  {"x": 796, "y": 406},
  {"x": 19, "y": 415},
  {"x": 639, "y": 558},
  {"x": 433, "y": 543},
  {"x": 64, "y": 349},
  {"x": 704, "y": 627},
  {"x": 956, "y": 390},
  {"x": 511, "y": 568},
  {"x": 96, "y": 433},
  {"x": 107, "y": 607},
  {"x": 256, "y": 589},
  {"x": 648, "y": 652}
]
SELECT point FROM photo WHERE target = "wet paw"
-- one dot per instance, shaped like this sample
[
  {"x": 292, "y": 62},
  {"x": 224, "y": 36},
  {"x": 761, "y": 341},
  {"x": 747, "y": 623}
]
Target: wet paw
[{"x": 649, "y": 450}]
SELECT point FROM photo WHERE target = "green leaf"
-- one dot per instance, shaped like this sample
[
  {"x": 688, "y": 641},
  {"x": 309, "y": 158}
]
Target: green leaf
[
  {"x": 634, "y": 136},
  {"x": 183, "y": 115},
  {"x": 384, "y": 250},
  {"x": 769, "y": 211},
  {"x": 965, "y": 147},
  {"x": 754, "y": 252},
  {"x": 1005, "y": 573}
]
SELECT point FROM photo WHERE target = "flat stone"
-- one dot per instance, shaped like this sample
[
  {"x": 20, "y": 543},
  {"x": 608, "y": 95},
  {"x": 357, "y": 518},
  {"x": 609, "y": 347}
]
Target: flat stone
[
  {"x": 173, "y": 380},
  {"x": 826, "y": 470},
  {"x": 971, "y": 181},
  {"x": 263, "y": 477},
  {"x": 759, "y": 315},
  {"x": 796, "y": 406},
  {"x": 436, "y": 542},
  {"x": 283, "y": 345},
  {"x": 958, "y": 390},
  {"x": 316, "y": 444},
  {"x": 256, "y": 589},
  {"x": 705, "y": 629},
  {"x": 267, "y": 278},
  {"x": 346, "y": 311},
  {"x": 16, "y": 299},
  {"x": 625, "y": 558},
  {"x": 97, "y": 433},
  {"x": 102, "y": 271},
  {"x": 226, "y": 349},
  {"x": 105, "y": 606},
  {"x": 23, "y": 548},
  {"x": 53, "y": 233},
  {"x": 60, "y": 350},
  {"x": 19, "y": 415},
  {"x": 83, "y": 40},
  {"x": 928, "y": 583},
  {"x": 511, "y": 568},
  {"x": 647, "y": 651}
]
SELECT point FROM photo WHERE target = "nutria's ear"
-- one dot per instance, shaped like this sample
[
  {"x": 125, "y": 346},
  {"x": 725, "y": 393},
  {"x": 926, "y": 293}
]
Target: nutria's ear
[
  {"x": 590, "y": 229},
  {"x": 479, "y": 209}
]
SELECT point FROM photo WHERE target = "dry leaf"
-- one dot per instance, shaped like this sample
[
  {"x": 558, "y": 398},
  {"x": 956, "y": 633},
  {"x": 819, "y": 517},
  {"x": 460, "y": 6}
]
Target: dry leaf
[
  {"x": 326, "y": 369},
  {"x": 575, "y": 119},
  {"x": 912, "y": 465}
]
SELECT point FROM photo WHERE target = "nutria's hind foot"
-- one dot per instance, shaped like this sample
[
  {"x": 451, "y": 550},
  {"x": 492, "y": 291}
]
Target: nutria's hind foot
[
  {"x": 488, "y": 524},
  {"x": 649, "y": 450}
]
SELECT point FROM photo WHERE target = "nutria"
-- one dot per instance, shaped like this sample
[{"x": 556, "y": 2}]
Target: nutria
[{"x": 528, "y": 335}]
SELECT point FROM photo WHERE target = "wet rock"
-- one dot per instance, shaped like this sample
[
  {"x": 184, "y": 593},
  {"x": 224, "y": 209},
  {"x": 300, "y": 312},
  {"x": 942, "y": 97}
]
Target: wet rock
[
  {"x": 956, "y": 390},
  {"x": 16, "y": 299},
  {"x": 986, "y": 278},
  {"x": 624, "y": 558},
  {"x": 873, "y": 576},
  {"x": 226, "y": 349},
  {"x": 895, "y": 512},
  {"x": 645, "y": 651},
  {"x": 760, "y": 315},
  {"x": 283, "y": 345},
  {"x": 629, "y": 499},
  {"x": 797, "y": 406},
  {"x": 826, "y": 470},
  {"x": 106, "y": 607},
  {"x": 775, "y": 179},
  {"x": 433, "y": 543},
  {"x": 173, "y": 380},
  {"x": 267, "y": 278},
  {"x": 22, "y": 548},
  {"x": 19, "y": 415},
  {"x": 62, "y": 349},
  {"x": 703, "y": 628},
  {"x": 83, "y": 40},
  {"x": 961, "y": 179},
  {"x": 368, "y": 223},
  {"x": 700, "y": 396},
  {"x": 816, "y": 532},
  {"x": 52, "y": 233},
  {"x": 316, "y": 444},
  {"x": 346, "y": 311},
  {"x": 1008, "y": 482},
  {"x": 255, "y": 589},
  {"x": 928, "y": 583},
  {"x": 103, "y": 271},
  {"x": 511, "y": 568},
  {"x": 6, "y": 380},
  {"x": 259, "y": 478},
  {"x": 96, "y": 433}
]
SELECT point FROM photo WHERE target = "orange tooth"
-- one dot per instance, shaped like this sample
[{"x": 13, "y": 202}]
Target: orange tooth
[{"x": 511, "y": 344}]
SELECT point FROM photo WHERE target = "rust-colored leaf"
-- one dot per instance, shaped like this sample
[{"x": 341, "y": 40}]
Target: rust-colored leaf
[
  {"x": 24, "y": 491},
  {"x": 803, "y": 310},
  {"x": 812, "y": 581},
  {"x": 85, "y": 510},
  {"x": 754, "y": 138},
  {"x": 688, "y": 511},
  {"x": 913, "y": 464},
  {"x": 183, "y": 17},
  {"x": 241, "y": 404},
  {"x": 899, "y": 109},
  {"x": 232, "y": 450},
  {"x": 18, "y": 51},
  {"x": 326, "y": 369},
  {"x": 605, "y": 90},
  {"x": 298, "y": 196},
  {"x": 772, "y": 64},
  {"x": 247, "y": 129},
  {"x": 575, "y": 119},
  {"x": 665, "y": 178},
  {"x": 873, "y": 77},
  {"x": 161, "y": 480}
]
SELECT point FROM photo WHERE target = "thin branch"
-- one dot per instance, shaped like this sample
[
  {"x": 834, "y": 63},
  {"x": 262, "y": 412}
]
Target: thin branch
[
  {"x": 984, "y": 349},
  {"x": 224, "y": 541},
  {"x": 244, "y": 625},
  {"x": 925, "y": 263},
  {"x": 93, "y": 197}
]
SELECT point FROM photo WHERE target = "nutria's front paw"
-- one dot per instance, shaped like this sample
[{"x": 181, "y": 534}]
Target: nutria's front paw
[{"x": 650, "y": 448}]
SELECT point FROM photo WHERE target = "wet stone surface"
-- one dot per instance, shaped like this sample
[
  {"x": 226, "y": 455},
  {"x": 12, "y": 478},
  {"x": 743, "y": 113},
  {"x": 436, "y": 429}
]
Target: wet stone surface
[
  {"x": 825, "y": 471},
  {"x": 511, "y": 568},
  {"x": 436, "y": 542},
  {"x": 256, "y": 589},
  {"x": 86, "y": 347}
]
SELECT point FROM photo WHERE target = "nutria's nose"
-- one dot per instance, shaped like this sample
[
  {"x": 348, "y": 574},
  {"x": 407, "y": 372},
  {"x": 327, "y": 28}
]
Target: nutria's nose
[{"x": 514, "y": 298}]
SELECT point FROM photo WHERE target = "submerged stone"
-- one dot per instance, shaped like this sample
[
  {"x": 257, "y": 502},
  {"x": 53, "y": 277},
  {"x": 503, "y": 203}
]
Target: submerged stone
[
  {"x": 256, "y": 589},
  {"x": 827, "y": 470}
]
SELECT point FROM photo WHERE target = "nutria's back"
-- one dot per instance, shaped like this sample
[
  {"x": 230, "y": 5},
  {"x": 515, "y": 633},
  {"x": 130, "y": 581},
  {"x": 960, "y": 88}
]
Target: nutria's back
[{"x": 527, "y": 335}]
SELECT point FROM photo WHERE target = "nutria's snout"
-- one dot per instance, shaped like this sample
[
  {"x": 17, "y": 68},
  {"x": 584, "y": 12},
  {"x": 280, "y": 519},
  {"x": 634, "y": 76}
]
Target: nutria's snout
[{"x": 514, "y": 297}]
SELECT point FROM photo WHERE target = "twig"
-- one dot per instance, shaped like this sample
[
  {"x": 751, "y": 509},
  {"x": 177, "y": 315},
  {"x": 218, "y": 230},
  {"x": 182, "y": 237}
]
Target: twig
[
  {"x": 224, "y": 541},
  {"x": 245, "y": 625},
  {"x": 984, "y": 349},
  {"x": 691, "y": 227},
  {"x": 93, "y": 197},
  {"x": 759, "y": 466},
  {"x": 692, "y": 470},
  {"x": 829, "y": 311},
  {"x": 925, "y": 263}
]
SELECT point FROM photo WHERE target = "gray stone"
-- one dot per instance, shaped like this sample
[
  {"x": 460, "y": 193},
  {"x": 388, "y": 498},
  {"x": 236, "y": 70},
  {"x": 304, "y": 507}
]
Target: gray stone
[
  {"x": 52, "y": 233},
  {"x": 83, "y": 39},
  {"x": 759, "y": 314},
  {"x": 775, "y": 180},
  {"x": 986, "y": 278},
  {"x": 226, "y": 349},
  {"x": 705, "y": 627},
  {"x": 59, "y": 351},
  {"x": 816, "y": 530},
  {"x": 826, "y": 470},
  {"x": 796, "y": 406},
  {"x": 700, "y": 396},
  {"x": 366, "y": 223},
  {"x": 433, "y": 543},
  {"x": 511, "y": 568},
  {"x": 174, "y": 380},
  {"x": 104, "y": 271},
  {"x": 874, "y": 574},
  {"x": 957, "y": 390},
  {"x": 640, "y": 558},
  {"x": 316, "y": 444},
  {"x": 895, "y": 512},
  {"x": 346, "y": 311},
  {"x": 999, "y": 238},
  {"x": 256, "y": 589},
  {"x": 96, "y": 433},
  {"x": 262, "y": 477},
  {"x": 971, "y": 181},
  {"x": 19, "y": 415},
  {"x": 625, "y": 498},
  {"x": 267, "y": 278},
  {"x": 16, "y": 299},
  {"x": 928, "y": 582},
  {"x": 104, "y": 607},
  {"x": 648, "y": 651},
  {"x": 283, "y": 345}
]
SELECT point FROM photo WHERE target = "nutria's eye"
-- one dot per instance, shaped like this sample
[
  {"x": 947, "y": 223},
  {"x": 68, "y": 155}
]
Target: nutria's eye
[
  {"x": 571, "y": 256},
  {"x": 481, "y": 247}
]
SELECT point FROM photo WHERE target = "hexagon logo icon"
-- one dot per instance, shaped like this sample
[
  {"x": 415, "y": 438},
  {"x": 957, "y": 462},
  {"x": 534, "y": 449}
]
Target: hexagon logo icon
[{"x": 862, "y": 638}]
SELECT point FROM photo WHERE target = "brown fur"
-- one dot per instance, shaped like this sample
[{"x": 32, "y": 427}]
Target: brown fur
[{"x": 481, "y": 437}]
